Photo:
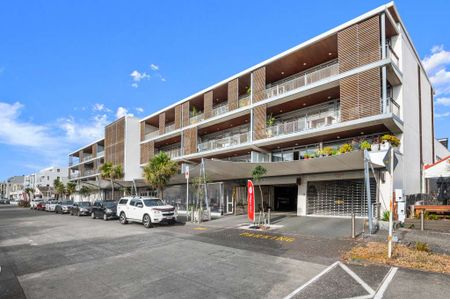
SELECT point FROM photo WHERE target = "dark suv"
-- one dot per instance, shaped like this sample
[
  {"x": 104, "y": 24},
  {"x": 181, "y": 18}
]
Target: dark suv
[{"x": 104, "y": 209}]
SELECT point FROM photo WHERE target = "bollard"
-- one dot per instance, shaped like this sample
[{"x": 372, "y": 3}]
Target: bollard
[
  {"x": 422, "y": 216},
  {"x": 268, "y": 216},
  {"x": 353, "y": 226}
]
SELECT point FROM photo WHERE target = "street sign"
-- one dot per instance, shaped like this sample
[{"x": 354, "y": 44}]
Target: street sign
[
  {"x": 186, "y": 172},
  {"x": 250, "y": 201}
]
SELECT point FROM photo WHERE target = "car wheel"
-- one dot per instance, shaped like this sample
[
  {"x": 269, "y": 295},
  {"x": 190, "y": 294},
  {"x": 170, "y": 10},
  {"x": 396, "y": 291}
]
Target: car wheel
[
  {"x": 93, "y": 215},
  {"x": 123, "y": 218},
  {"x": 147, "y": 221},
  {"x": 172, "y": 221},
  {"x": 105, "y": 217}
]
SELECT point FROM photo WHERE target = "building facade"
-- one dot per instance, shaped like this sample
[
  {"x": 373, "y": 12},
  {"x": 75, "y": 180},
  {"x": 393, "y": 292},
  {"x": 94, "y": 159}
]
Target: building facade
[
  {"x": 293, "y": 113},
  {"x": 42, "y": 181}
]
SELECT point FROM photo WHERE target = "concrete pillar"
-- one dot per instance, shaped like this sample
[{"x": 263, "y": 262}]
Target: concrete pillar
[{"x": 301, "y": 197}]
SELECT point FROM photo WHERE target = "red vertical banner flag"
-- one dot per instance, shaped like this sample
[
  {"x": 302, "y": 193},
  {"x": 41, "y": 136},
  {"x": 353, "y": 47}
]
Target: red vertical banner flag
[{"x": 250, "y": 201}]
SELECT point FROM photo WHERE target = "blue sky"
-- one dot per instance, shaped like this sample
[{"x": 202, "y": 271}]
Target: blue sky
[{"x": 69, "y": 67}]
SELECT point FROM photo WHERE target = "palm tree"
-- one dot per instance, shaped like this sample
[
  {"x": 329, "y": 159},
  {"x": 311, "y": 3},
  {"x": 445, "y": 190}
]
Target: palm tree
[
  {"x": 70, "y": 188},
  {"x": 29, "y": 191},
  {"x": 84, "y": 191},
  {"x": 111, "y": 172},
  {"x": 257, "y": 174},
  {"x": 59, "y": 187},
  {"x": 159, "y": 170}
]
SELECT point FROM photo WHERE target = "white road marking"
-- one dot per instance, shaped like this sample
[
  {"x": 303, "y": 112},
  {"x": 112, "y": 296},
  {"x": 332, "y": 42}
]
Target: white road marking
[
  {"x": 386, "y": 281},
  {"x": 358, "y": 279},
  {"x": 295, "y": 292}
]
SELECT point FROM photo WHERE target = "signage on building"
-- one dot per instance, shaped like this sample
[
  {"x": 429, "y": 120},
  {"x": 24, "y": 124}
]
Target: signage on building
[
  {"x": 250, "y": 201},
  {"x": 186, "y": 172}
]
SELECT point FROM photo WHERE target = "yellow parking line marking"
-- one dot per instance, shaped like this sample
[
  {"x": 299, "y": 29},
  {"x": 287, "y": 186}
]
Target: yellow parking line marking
[
  {"x": 268, "y": 237},
  {"x": 199, "y": 228}
]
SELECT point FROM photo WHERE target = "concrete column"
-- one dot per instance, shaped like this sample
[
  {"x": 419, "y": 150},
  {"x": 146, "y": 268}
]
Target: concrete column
[{"x": 301, "y": 197}]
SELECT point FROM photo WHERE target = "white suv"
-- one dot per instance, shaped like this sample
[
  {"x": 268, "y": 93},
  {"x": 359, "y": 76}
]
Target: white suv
[{"x": 146, "y": 210}]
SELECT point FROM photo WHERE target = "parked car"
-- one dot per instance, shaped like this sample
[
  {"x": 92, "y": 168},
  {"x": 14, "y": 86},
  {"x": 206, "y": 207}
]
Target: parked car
[
  {"x": 145, "y": 210},
  {"x": 104, "y": 209},
  {"x": 14, "y": 202},
  {"x": 41, "y": 206},
  {"x": 81, "y": 208},
  {"x": 63, "y": 207},
  {"x": 4, "y": 201},
  {"x": 34, "y": 202},
  {"x": 51, "y": 205}
]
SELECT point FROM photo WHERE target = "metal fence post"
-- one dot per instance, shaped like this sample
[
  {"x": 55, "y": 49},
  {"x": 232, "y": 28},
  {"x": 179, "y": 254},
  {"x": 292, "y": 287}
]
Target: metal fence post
[
  {"x": 422, "y": 216},
  {"x": 353, "y": 225}
]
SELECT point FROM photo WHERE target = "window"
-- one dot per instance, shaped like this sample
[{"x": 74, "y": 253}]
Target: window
[
  {"x": 57, "y": 170},
  {"x": 132, "y": 202},
  {"x": 123, "y": 201},
  {"x": 137, "y": 203}
]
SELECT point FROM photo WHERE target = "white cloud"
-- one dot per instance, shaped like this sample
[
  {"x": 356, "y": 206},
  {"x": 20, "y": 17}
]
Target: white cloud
[
  {"x": 442, "y": 115},
  {"x": 122, "y": 111},
  {"x": 154, "y": 67},
  {"x": 138, "y": 76},
  {"x": 135, "y": 85},
  {"x": 443, "y": 101},
  {"x": 438, "y": 58},
  {"x": 100, "y": 108},
  {"x": 139, "y": 109},
  {"x": 14, "y": 131},
  {"x": 83, "y": 132},
  {"x": 441, "y": 81}
]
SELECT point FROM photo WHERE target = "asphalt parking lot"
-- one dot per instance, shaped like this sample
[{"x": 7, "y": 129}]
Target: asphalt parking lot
[{"x": 43, "y": 255}]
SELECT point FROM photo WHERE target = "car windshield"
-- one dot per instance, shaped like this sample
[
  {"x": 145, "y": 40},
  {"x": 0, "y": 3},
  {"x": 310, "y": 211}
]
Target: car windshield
[
  {"x": 84, "y": 204},
  {"x": 110, "y": 204},
  {"x": 153, "y": 202}
]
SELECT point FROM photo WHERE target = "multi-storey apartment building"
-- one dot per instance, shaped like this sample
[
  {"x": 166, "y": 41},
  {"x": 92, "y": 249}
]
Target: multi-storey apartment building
[
  {"x": 42, "y": 181},
  {"x": 120, "y": 146},
  {"x": 356, "y": 82},
  {"x": 14, "y": 188}
]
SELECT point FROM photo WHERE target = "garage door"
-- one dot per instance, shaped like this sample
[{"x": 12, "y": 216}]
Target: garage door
[{"x": 338, "y": 198}]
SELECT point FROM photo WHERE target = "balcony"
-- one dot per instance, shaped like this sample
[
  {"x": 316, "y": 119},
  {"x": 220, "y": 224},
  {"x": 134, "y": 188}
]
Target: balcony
[
  {"x": 244, "y": 101},
  {"x": 74, "y": 175},
  {"x": 89, "y": 172},
  {"x": 302, "y": 79},
  {"x": 308, "y": 120},
  {"x": 173, "y": 153},
  {"x": 88, "y": 157},
  {"x": 151, "y": 135},
  {"x": 224, "y": 142},
  {"x": 392, "y": 106},
  {"x": 196, "y": 118},
  {"x": 169, "y": 128},
  {"x": 390, "y": 53},
  {"x": 100, "y": 153},
  {"x": 220, "y": 110}
]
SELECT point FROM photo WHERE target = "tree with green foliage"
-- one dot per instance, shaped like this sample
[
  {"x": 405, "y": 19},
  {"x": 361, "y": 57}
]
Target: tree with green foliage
[
  {"x": 111, "y": 172},
  {"x": 84, "y": 191},
  {"x": 59, "y": 188},
  {"x": 29, "y": 191},
  {"x": 159, "y": 170},
  {"x": 70, "y": 188},
  {"x": 257, "y": 174}
]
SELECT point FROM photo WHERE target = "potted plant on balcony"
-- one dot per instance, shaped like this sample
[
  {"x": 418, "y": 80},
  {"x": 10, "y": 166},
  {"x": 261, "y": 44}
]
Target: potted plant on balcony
[
  {"x": 345, "y": 148},
  {"x": 249, "y": 90},
  {"x": 327, "y": 151},
  {"x": 365, "y": 145},
  {"x": 270, "y": 122},
  {"x": 389, "y": 140}
]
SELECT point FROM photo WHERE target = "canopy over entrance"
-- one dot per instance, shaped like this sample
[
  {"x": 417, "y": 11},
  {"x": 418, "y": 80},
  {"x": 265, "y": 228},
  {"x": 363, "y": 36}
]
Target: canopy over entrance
[{"x": 219, "y": 170}]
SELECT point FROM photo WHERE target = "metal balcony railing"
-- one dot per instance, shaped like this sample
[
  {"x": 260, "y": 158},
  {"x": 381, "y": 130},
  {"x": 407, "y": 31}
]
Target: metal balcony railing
[
  {"x": 224, "y": 142},
  {"x": 197, "y": 118},
  {"x": 100, "y": 153},
  {"x": 390, "y": 53},
  {"x": 88, "y": 157},
  {"x": 74, "y": 175},
  {"x": 302, "y": 79},
  {"x": 173, "y": 153},
  {"x": 392, "y": 106},
  {"x": 151, "y": 135},
  {"x": 169, "y": 128},
  {"x": 244, "y": 101},
  {"x": 220, "y": 110},
  {"x": 314, "y": 119},
  {"x": 89, "y": 172}
]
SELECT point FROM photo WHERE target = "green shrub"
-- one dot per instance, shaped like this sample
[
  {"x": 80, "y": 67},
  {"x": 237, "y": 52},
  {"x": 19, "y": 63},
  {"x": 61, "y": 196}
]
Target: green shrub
[
  {"x": 365, "y": 145},
  {"x": 345, "y": 148},
  {"x": 327, "y": 151},
  {"x": 393, "y": 140},
  {"x": 386, "y": 215},
  {"x": 422, "y": 246}
]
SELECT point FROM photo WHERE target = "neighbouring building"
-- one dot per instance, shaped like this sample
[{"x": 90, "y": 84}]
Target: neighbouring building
[
  {"x": 354, "y": 83},
  {"x": 120, "y": 146},
  {"x": 15, "y": 188},
  {"x": 42, "y": 181}
]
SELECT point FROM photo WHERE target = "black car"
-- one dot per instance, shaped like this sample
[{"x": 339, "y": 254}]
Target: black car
[
  {"x": 104, "y": 209},
  {"x": 81, "y": 208},
  {"x": 63, "y": 207}
]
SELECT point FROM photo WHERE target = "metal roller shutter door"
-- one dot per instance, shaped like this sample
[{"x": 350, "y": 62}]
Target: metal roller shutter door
[{"x": 338, "y": 198}]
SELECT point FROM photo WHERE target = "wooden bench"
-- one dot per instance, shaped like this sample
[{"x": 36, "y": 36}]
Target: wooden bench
[{"x": 432, "y": 209}]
